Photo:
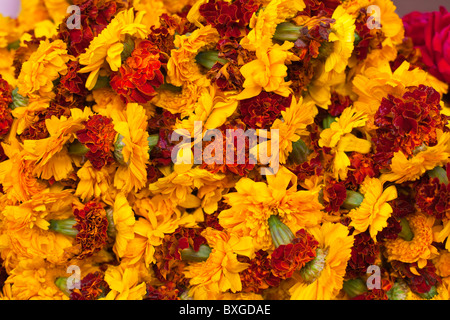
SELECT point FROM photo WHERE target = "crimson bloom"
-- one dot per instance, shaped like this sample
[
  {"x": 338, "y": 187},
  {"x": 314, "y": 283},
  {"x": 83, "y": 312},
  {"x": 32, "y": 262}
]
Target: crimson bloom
[{"x": 434, "y": 43}]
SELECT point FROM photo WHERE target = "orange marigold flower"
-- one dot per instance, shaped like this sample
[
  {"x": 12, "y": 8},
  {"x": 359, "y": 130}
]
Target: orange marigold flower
[
  {"x": 92, "y": 287},
  {"x": 140, "y": 75},
  {"x": 168, "y": 291}
]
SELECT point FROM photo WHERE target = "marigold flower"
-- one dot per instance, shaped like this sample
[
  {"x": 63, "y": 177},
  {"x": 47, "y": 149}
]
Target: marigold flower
[
  {"x": 420, "y": 248},
  {"x": 124, "y": 282},
  {"x": 92, "y": 287}
]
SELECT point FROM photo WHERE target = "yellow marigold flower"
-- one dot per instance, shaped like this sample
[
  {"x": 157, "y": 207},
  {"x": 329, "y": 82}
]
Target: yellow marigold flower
[
  {"x": 182, "y": 67},
  {"x": 125, "y": 283},
  {"x": 268, "y": 71},
  {"x": 418, "y": 249},
  {"x": 220, "y": 272},
  {"x": 293, "y": 125},
  {"x": 376, "y": 83},
  {"x": 6, "y": 66},
  {"x": 50, "y": 155},
  {"x": 31, "y": 8},
  {"x": 57, "y": 9},
  {"x": 107, "y": 101},
  {"x": 339, "y": 138},
  {"x": 323, "y": 277},
  {"x": 131, "y": 126},
  {"x": 153, "y": 10},
  {"x": 108, "y": 44},
  {"x": 374, "y": 211},
  {"x": 123, "y": 223},
  {"x": 342, "y": 37},
  {"x": 182, "y": 102},
  {"x": 265, "y": 21},
  {"x": 254, "y": 202},
  {"x": 34, "y": 279},
  {"x": 44, "y": 66},
  {"x": 442, "y": 264},
  {"x": 158, "y": 216},
  {"x": 404, "y": 169},
  {"x": 8, "y": 31},
  {"x": 93, "y": 183}
]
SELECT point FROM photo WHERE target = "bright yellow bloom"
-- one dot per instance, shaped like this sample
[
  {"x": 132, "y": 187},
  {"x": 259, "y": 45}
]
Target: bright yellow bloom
[
  {"x": 57, "y": 9},
  {"x": 268, "y": 71},
  {"x": 132, "y": 127},
  {"x": 220, "y": 272},
  {"x": 410, "y": 169},
  {"x": 153, "y": 10},
  {"x": 254, "y": 202},
  {"x": 182, "y": 102},
  {"x": 8, "y": 31},
  {"x": 339, "y": 138},
  {"x": 182, "y": 67},
  {"x": 124, "y": 282},
  {"x": 7, "y": 69},
  {"x": 42, "y": 68},
  {"x": 34, "y": 279},
  {"x": 108, "y": 44},
  {"x": 374, "y": 211},
  {"x": 342, "y": 36},
  {"x": 93, "y": 183},
  {"x": 265, "y": 21},
  {"x": 293, "y": 125},
  {"x": 124, "y": 220},
  {"x": 323, "y": 277},
  {"x": 420, "y": 248}
]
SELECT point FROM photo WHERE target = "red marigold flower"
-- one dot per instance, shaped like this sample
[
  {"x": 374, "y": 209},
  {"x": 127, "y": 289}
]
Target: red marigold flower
[
  {"x": 433, "y": 197},
  {"x": 229, "y": 18},
  {"x": 259, "y": 274},
  {"x": 309, "y": 168},
  {"x": 320, "y": 8},
  {"x": 361, "y": 166},
  {"x": 291, "y": 257},
  {"x": 419, "y": 280},
  {"x": 99, "y": 136},
  {"x": 338, "y": 104},
  {"x": 92, "y": 287},
  {"x": 366, "y": 39},
  {"x": 95, "y": 15},
  {"x": 140, "y": 75},
  {"x": 261, "y": 111},
  {"x": 92, "y": 226},
  {"x": 364, "y": 254},
  {"x": 6, "y": 118},
  {"x": 168, "y": 291},
  {"x": 376, "y": 294},
  {"x": 334, "y": 195},
  {"x": 391, "y": 231},
  {"x": 407, "y": 122},
  {"x": 73, "y": 81}
]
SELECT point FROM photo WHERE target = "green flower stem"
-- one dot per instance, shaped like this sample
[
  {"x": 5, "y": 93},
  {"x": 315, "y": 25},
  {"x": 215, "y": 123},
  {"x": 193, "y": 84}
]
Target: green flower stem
[
  {"x": 406, "y": 232},
  {"x": 209, "y": 58},
  {"x": 287, "y": 31},
  {"x": 61, "y": 283},
  {"x": 190, "y": 254},
  {"x": 353, "y": 200},
  {"x": 439, "y": 173},
  {"x": 281, "y": 234},
  {"x": 65, "y": 226}
]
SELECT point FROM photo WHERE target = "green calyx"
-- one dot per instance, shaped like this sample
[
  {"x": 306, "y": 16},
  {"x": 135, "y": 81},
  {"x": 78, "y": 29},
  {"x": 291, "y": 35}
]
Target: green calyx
[
  {"x": 61, "y": 283},
  {"x": 300, "y": 152},
  {"x": 440, "y": 173},
  {"x": 118, "y": 149},
  {"x": 399, "y": 291},
  {"x": 18, "y": 100},
  {"x": 128, "y": 47},
  {"x": 209, "y": 58},
  {"x": 430, "y": 294},
  {"x": 326, "y": 123},
  {"x": 312, "y": 270},
  {"x": 76, "y": 148},
  {"x": 406, "y": 232},
  {"x": 354, "y": 287},
  {"x": 353, "y": 200},
  {"x": 65, "y": 226},
  {"x": 287, "y": 31},
  {"x": 190, "y": 254},
  {"x": 281, "y": 234}
]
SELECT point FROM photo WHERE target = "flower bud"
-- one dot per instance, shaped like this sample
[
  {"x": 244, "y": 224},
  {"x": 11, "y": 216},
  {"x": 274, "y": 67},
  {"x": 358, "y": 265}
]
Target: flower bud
[
  {"x": 281, "y": 234},
  {"x": 353, "y": 200},
  {"x": 209, "y": 58},
  {"x": 65, "y": 226},
  {"x": 354, "y": 287},
  {"x": 287, "y": 31},
  {"x": 18, "y": 100},
  {"x": 202, "y": 254},
  {"x": 312, "y": 270},
  {"x": 406, "y": 232}
]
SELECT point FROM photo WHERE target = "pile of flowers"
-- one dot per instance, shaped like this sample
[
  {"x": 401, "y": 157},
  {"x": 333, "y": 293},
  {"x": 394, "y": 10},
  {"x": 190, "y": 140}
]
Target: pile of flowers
[{"x": 343, "y": 195}]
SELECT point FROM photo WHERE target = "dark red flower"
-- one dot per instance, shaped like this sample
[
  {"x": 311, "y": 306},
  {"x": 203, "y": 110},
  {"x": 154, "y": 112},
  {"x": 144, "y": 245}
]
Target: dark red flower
[
  {"x": 167, "y": 291},
  {"x": 391, "y": 231},
  {"x": 366, "y": 39},
  {"x": 261, "y": 111},
  {"x": 291, "y": 257},
  {"x": 92, "y": 287},
  {"x": 430, "y": 32},
  {"x": 433, "y": 197},
  {"x": 229, "y": 18},
  {"x": 259, "y": 274},
  {"x": 334, "y": 195},
  {"x": 407, "y": 122},
  {"x": 364, "y": 253},
  {"x": 338, "y": 104},
  {"x": 73, "y": 81},
  {"x": 92, "y": 226},
  {"x": 361, "y": 166},
  {"x": 376, "y": 294},
  {"x": 140, "y": 75},
  {"x": 6, "y": 118},
  {"x": 99, "y": 136},
  {"x": 418, "y": 280},
  {"x": 95, "y": 16},
  {"x": 309, "y": 168}
]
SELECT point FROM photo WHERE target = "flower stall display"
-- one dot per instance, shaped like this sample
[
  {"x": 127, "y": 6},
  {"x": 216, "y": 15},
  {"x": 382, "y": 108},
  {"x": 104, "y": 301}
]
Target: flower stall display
[{"x": 224, "y": 149}]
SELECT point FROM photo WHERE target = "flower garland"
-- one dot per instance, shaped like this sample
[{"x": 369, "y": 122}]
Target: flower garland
[{"x": 212, "y": 149}]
